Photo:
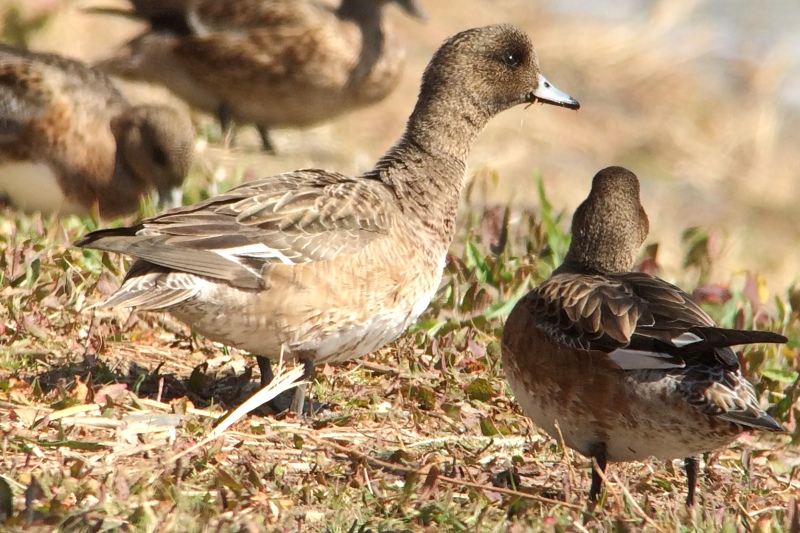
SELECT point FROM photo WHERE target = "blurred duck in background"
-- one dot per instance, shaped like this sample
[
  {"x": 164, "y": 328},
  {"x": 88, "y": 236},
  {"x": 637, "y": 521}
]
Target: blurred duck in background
[
  {"x": 70, "y": 142},
  {"x": 272, "y": 63}
]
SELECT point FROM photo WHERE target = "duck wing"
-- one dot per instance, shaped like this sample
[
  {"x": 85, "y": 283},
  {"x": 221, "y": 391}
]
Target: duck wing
[{"x": 293, "y": 218}]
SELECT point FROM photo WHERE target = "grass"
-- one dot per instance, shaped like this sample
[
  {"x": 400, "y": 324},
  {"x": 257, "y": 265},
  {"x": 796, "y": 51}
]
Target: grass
[{"x": 104, "y": 416}]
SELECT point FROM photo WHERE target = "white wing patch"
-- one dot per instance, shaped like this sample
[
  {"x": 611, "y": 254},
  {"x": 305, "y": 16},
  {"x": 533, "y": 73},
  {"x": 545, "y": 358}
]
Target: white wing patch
[
  {"x": 685, "y": 339},
  {"x": 258, "y": 251},
  {"x": 639, "y": 360}
]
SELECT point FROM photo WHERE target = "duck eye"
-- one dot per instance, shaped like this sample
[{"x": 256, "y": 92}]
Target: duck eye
[{"x": 511, "y": 59}]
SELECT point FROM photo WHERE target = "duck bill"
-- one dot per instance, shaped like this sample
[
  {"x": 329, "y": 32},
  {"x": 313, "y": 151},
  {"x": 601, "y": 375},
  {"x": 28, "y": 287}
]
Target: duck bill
[{"x": 547, "y": 93}]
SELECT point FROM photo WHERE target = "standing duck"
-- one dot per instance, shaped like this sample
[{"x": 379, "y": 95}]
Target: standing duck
[
  {"x": 273, "y": 63},
  {"x": 69, "y": 141},
  {"x": 624, "y": 364},
  {"x": 323, "y": 267}
]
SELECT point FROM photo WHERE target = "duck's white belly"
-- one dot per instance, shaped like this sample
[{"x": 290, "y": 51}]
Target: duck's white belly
[{"x": 34, "y": 187}]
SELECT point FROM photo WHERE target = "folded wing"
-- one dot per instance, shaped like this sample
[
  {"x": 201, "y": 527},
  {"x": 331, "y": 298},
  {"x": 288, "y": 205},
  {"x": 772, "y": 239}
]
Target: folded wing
[{"x": 293, "y": 218}]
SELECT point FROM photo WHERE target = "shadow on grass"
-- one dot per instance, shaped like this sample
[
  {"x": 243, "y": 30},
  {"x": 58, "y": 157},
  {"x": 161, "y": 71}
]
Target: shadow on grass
[{"x": 203, "y": 387}]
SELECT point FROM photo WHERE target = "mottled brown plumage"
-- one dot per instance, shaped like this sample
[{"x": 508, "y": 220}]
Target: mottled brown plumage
[
  {"x": 274, "y": 63},
  {"x": 69, "y": 140},
  {"x": 625, "y": 363},
  {"x": 324, "y": 266}
]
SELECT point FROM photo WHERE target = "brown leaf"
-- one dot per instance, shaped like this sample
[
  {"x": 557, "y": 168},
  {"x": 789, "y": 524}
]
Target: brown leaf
[
  {"x": 80, "y": 392},
  {"x": 19, "y": 391},
  {"x": 764, "y": 525},
  {"x": 429, "y": 485},
  {"x": 121, "y": 487},
  {"x": 476, "y": 349},
  {"x": 793, "y": 516},
  {"x": 494, "y": 228},
  {"x": 113, "y": 391},
  {"x": 327, "y": 370},
  {"x": 105, "y": 285},
  {"x": 717, "y": 294},
  {"x": 649, "y": 263}
]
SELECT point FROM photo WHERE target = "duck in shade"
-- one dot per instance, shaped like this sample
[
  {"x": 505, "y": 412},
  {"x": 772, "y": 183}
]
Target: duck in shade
[
  {"x": 325, "y": 267},
  {"x": 69, "y": 140},
  {"x": 273, "y": 63},
  {"x": 624, "y": 363}
]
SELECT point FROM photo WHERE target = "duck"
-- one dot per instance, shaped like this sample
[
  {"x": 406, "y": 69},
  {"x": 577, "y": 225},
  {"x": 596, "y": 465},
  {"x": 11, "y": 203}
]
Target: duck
[
  {"x": 624, "y": 365},
  {"x": 272, "y": 63},
  {"x": 71, "y": 143},
  {"x": 320, "y": 267}
]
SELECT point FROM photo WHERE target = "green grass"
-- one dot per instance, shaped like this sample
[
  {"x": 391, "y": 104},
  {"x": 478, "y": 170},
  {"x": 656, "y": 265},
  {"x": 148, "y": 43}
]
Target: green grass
[{"x": 101, "y": 414}]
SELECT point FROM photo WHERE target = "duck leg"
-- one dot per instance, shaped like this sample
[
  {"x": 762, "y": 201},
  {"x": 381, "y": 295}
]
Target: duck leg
[
  {"x": 692, "y": 466},
  {"x": 225, "y": 118},
  {"x": 279, "y": 404},
  {"x": 266, "y": 143},
  {"x": 298, "y": 401},
  {"x": 265, "y": 366},
  {"x": 597, "y": 481}
]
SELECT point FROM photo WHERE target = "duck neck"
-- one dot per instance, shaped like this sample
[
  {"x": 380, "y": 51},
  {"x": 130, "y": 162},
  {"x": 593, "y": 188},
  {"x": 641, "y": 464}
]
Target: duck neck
[
  {"x": 427, "y": 167},
  {"x": 447, "y": 124},
  {"x": 597, "y": 258}
]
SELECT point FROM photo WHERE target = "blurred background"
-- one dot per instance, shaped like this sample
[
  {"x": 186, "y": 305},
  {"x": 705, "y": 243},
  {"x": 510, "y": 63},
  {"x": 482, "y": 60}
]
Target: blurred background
[{"x": 701, "y": 98}]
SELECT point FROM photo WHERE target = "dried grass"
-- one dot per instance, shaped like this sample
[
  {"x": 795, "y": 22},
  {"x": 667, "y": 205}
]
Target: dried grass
[{"x": 105, "y": 418}]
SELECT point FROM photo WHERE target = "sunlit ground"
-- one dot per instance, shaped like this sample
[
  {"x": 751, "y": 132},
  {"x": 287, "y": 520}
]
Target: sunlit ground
[{"x": 103, "y": 417}]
